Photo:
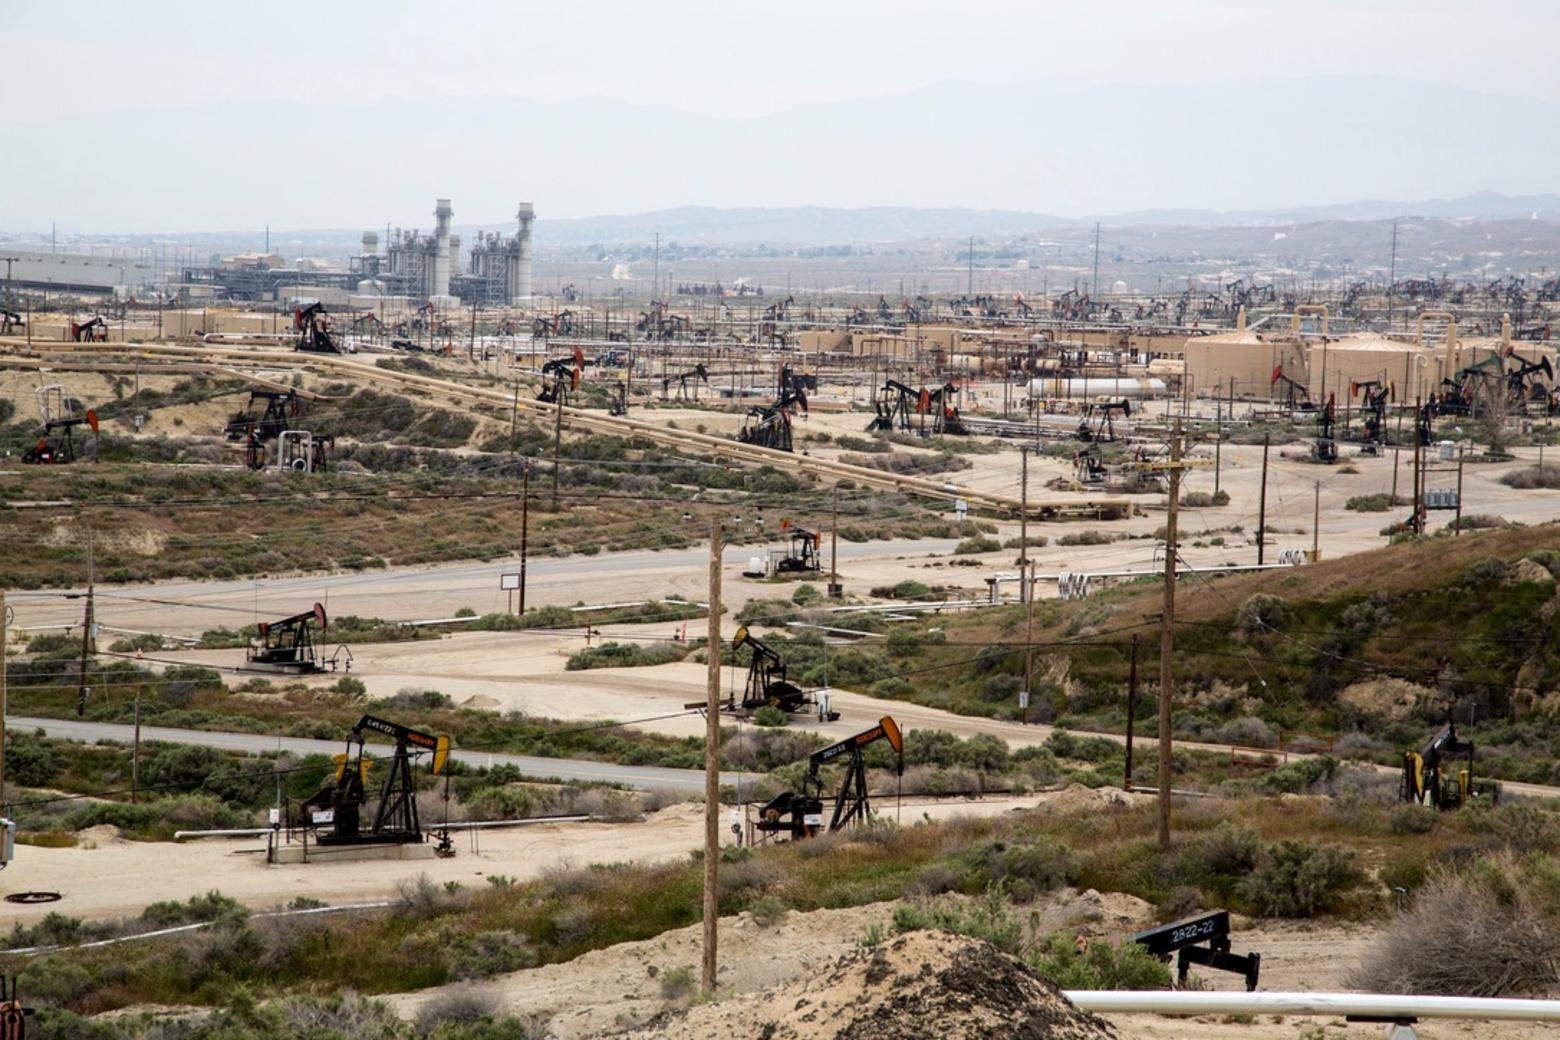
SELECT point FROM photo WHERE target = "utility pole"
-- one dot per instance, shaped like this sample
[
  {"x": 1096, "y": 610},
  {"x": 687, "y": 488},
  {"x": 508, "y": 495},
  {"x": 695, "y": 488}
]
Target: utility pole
[
  {"x": 1028, "y": 574},
  {"x": 1132, "y": 692},
  {"x": 1392, "y": 278},
  {"x": 1094, "y": 293},
  {"x": 525, "y": 525},
  {"x": 1419, "y": 476},
  {"x": 1167, "y": 640},
  {"x": 712, "y": 769},
  {"x": 1316, "y": 524},
  {"x": 1262, "y": 504},
  {"x": 835, "y": 591},
  {"x": 3, "y": 634},
  {"x": 135, "y": 756},
  {"x": 557, "y": 449},
  {"x": 86, "y": 634},
  {"x": 1023, "y": 521}
]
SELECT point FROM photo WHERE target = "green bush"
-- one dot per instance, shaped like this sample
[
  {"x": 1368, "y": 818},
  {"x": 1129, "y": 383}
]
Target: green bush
[
  {"x": 1377, "y": 503},
  {"x": 978, "y": 544},
  {"x": 30, "y": 760},
  {"x": 625, "y": 655},
  {"x": 989, "y": 918},
  {"x": 1098, "y": 965},
  {"x": 769, "y": 715},
  {"x": 483, "y": 954},
  {"x": 1300, "y": 879}
]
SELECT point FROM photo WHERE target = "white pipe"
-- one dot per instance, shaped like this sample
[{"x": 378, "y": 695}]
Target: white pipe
[
  {"x": 468, "y": 825},
  {"x": 1376, "y": 1005}
]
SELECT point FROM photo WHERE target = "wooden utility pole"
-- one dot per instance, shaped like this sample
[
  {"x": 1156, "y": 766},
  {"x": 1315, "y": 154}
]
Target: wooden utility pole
[
  {"x": 835, "y": 592},
  {"x": 1167, "y": 640},
  {"x": 525, "y": 526},
  {"x": 557, "y": 449},
  {"x": 1316, "y": 524},
  {"x": 1132, "y": 692},
  {"x": 1261, "y": 505},
  {"x": 86, "y": 633},
  {"x": 1027, "y": 573},
  {"x": 1023, "y": 524},
  {"x": 2, "y": 700},
  {"x": 135, "y": 756},
  {"x": 712, "y": 769}
]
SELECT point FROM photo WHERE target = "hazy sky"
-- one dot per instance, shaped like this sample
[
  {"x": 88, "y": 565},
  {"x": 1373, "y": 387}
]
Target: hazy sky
[{"x": 167, "y": 84}]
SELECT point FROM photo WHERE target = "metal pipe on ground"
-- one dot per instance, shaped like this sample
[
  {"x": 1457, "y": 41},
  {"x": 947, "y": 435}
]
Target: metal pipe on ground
[{"x": 1372, "y": 1005}]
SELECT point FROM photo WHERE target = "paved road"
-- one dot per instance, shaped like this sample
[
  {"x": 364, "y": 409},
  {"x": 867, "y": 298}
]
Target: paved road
[
  {"x": 418, "y": 593},
  {"x": 683, "y": 780}
]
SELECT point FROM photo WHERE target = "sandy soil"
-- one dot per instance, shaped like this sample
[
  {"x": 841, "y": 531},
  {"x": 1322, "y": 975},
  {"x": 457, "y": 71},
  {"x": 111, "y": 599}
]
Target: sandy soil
[
  {"x": 614, "y": 989},
  {"x": 107, "y": 876}
]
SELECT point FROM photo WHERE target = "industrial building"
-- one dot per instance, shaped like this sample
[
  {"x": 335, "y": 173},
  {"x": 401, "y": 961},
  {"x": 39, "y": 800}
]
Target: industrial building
[{"x": 427, "y": 267}]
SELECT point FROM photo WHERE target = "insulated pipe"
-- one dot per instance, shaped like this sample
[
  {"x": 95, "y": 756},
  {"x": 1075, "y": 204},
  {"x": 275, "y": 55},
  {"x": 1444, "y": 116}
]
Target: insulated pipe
[{"x": 1375, "y": 1005}]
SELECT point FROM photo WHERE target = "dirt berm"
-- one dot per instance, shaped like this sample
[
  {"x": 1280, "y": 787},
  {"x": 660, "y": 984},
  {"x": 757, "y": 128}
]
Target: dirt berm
[{"x": 925, "y": 984}]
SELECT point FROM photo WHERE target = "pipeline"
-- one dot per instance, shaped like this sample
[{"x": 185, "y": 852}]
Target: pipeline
[{"x": 1372, "y": 1005}]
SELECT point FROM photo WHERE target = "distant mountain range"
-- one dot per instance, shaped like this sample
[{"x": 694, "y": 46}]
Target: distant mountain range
[{"x": 818, "y": 225}]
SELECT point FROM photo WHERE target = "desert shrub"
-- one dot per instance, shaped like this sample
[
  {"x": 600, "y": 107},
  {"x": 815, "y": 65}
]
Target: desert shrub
[
  {"x": 1000, "y": 687},
  {"x": 769, "y": 715},
  {"x": 904, "y": 642},
  {"x": 348, "y": 686},
  {"x": 213, "y": 906},
  {"x": 1491, "y": 570},
  {"x": 805, "y": 594},
  {"x": 988, "y": 917},
  {"x": 767, "y": 910},
  {"x": 1204, "y": 499},
  {"x": 462, "y": 1005},
  {"x": 1533, "y": 477},
  {"x": 978, "y": 544},
  {"x": 1261, "y": 612},
  {"x": 625, "y": 655},
  {"x": 1300, "y": 879},
  {"x": 55, "y": 980},
  {"x": 1026, "y": 870},
  {"x": 482, "y": 954},
  {"x": 1478, "y": 932},
  {"x": 144, "y": 643},
  {"x": 52, "y": 643},
  {"x": 1098, "y": 964},
  {"x": 30, "y": 760},
  {"x": 893, "y": 686},
  {"x": 676, "y": 983},
  {"x": 1086, "y": 538},
  {"x": 1377, "y": 503},
  {"x": 1411, "y": 819},
  {"x": 1247, "y": 731},
  {"x": 420, "y": 897}
]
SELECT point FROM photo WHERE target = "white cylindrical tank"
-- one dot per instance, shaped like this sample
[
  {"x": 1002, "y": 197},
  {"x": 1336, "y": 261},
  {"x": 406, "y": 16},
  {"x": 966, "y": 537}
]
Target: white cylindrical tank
[
  {"x": 1096, "y": 387},
  {"x": 1171, "y": 368}
]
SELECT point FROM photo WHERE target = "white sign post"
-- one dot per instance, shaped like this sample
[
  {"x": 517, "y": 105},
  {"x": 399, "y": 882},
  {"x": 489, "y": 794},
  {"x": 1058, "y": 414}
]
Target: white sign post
[{"x": 509, "y": 583}]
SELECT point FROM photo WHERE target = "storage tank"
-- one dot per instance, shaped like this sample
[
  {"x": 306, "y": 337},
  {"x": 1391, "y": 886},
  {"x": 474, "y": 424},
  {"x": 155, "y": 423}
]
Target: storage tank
[{"x": 1097, "y": 387}]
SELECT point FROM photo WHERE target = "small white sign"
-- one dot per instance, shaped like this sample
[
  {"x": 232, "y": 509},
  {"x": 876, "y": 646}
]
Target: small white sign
[
  {"x": 1023, "y": 699},
  {"x": 961, "y": 508},
  {"x": 508, "y": 582},
  {"x": 275, "y": 815},
  {"x": 324, "y": 816},
  {"x": 813, "y": 819}
]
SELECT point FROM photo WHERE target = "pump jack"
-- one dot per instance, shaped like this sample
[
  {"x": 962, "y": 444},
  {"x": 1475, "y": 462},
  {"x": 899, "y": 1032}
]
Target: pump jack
[
  {"x": 697, "y": 374},
  {"x": 561, "y": 377},
  {"x": 1104, "y": 428},
  {"x": 1424, "y": 783},
  {"x": 1296, "y": 396},
  {"x": 287, "y": 645},
  {"x": 767, "y": 685},
  {"x": 896, "y": 403},
  {"x": 280, "y": 407},
  {"x": 94, "y": 331},
  {"x": 334, "y": 811},
  {"x": 9, "y": 320},
  {"x": 313, "y": 330},
  {"x": 801, "y": 814},
  {"x": 58, "y": 451},
  {"x": 803, "y": 554},
  {"x": 1376, "y": 394},
  {"x": 1326, "y": 449},
  {"x": 769, "y": 426}
]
